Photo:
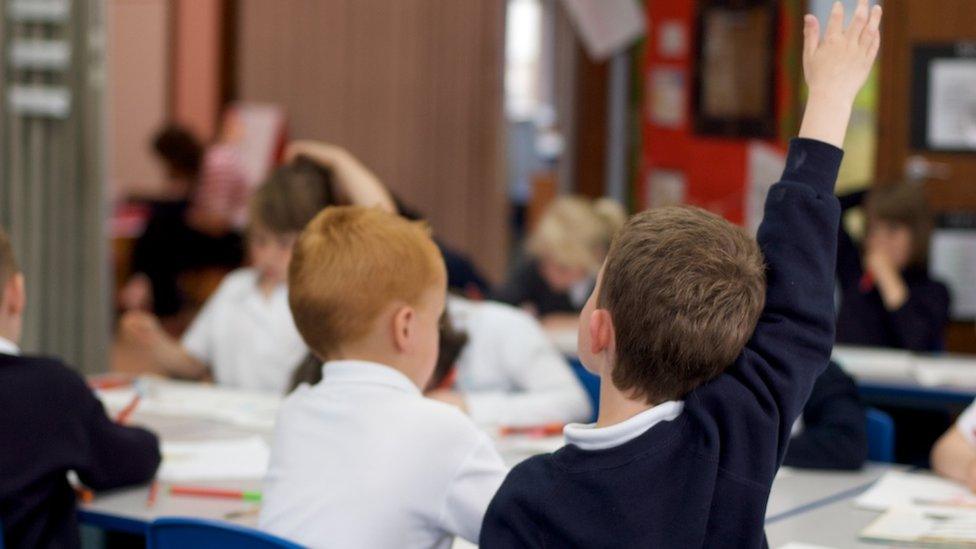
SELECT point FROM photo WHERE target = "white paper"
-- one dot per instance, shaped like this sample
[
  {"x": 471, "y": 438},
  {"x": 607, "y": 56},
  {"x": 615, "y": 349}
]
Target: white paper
[
  {"x": 869, "y": 363},
  {"x": 667, "y": 104},
  {"x": 953, "y": 371},
  {"x": 36, "y": 100},
  {"x": 248, "y": 409},
  {"x": 765, "y": 166},
  {"x": 606, "y": 26},
  {"x": 952, "y": 259},
  {"x": 952, "y": 104},
  {"x": 795, "y": 545},
  {"x": 261, "y": 127},
  {"x": 40, "y": 54},
  {"x": 230, "y": 459},
  {"x": 672, "y": 39},
  {"x": 667, "y": 187},
  {"x": 900, "y": 489},
  {"x": 921, "y": 525},
  {"x": 46, "y": 11}
]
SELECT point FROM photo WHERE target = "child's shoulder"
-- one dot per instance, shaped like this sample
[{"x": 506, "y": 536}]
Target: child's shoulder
[
  {"x": 468, "y": 315},
  {"x": 239, "y": 282}
]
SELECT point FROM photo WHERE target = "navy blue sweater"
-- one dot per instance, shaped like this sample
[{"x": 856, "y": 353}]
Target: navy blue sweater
[
  {"x": 835, "y": 434},
  {"x": 703, "y": 479},
  {"x": 51, "y": 424},
  {"x": 918, "y": 325}
]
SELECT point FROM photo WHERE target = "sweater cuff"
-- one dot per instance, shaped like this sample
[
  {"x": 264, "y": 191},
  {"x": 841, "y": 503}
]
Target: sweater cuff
[{"x": 813, "y": 162}]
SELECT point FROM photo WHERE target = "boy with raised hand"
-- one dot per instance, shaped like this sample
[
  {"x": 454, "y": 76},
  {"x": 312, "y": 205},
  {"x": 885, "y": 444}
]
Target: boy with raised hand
[
  {"x": 707, "y": 352},
  {"x": 362, "y": 459}
]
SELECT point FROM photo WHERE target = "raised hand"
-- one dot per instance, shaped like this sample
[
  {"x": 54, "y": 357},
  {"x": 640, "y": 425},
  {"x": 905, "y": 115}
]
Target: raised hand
[{"x": 836, "y": 67}]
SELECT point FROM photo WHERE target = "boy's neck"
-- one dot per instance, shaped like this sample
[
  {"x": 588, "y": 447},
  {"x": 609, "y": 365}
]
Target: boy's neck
[{"x": 616, "y": 407}]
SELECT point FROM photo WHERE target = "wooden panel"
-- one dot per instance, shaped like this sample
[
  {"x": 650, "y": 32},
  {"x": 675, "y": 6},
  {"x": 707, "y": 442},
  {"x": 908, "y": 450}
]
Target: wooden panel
[
  {"x": 413, "y": 87},
  {"x": 591, "y": 125}
]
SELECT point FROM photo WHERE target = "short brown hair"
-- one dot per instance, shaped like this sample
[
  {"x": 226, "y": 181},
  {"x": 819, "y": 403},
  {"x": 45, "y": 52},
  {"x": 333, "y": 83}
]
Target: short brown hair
[
  {"x": 8, "y": 263},
  {"x": 349, "y": 264},
  {"x": 903, "y": 204},
  {"x": 684, "y": 288},
  {"x": 291, "y": 196}
]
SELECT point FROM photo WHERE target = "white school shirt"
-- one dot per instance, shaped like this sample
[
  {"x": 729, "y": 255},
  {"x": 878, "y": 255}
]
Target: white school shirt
[
  {"x": 967, "y": 424},
  {"x": 362, "y": 459},
  {"x": 8, "y": 347},
  {"x": 591, "y": 437},
  {"x": 248, "y": 339},
  {"x": 510, "y": 373}
]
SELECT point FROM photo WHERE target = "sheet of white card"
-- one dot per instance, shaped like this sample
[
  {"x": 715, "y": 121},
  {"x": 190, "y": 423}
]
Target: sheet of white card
[
  {"x": 245, "y": 458},
  {"x": 898, "y": 489}
]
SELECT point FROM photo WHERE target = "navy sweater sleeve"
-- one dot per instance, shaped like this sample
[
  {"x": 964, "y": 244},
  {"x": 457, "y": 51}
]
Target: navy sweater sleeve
[
  {"x": 754, "y": 403},
  {"x": 834, "y": 431},
  {"x": 108, "y": 455}
]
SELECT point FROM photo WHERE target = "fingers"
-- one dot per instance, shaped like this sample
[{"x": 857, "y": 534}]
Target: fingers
[
  {"x": 835, "y": 23},
  {"x": 858, "y": 22},
  {"x": 871, "y": 37},
  {"x": 811, "y": 36}
]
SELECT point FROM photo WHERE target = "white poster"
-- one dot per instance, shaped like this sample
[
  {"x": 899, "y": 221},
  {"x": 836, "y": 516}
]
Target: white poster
[
  {"x": 952, "y": 104},
  {"x": 952, "y": 259}
]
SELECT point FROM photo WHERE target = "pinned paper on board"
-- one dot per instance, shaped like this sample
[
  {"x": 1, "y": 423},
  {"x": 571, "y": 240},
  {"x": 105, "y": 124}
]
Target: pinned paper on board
[
  {"x": 606, "y": 26},
  {"x": 952, "y": 259},
  {"x": 666, "y": 187},
  {"x": 33, "y": 54},
  {"x": 667, "y": 97},
  {"x": 672, "y": 39}
]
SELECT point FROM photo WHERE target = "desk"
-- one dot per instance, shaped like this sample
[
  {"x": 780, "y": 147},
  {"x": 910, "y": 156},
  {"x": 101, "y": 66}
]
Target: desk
[{"x": 794, "y": 492}]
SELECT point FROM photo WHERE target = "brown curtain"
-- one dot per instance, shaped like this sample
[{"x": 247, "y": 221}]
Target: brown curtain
[{"x": 413, "y": 87}]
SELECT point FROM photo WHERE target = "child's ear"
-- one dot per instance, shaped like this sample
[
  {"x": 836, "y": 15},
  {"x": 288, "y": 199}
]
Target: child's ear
[
  {"x": 14, "y": 297},
  {"x": 403, "y": 328},
  {"x": 601, "y": 331}
]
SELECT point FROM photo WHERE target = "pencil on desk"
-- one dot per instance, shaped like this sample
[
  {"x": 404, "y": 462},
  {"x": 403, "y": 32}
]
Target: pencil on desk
[
  {"x": 536, "y": 431},
  {"x": 207, "y": 492},
  {"x": 153, "y": 491},
  {"x": 123, "y": 416}
]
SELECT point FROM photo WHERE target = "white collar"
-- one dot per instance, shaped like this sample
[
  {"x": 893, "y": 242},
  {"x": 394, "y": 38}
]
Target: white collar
[
  {"x": 365, "y": 372},
  {"x": 8, "y": 347},
  {"x": 591, "y": 437}
]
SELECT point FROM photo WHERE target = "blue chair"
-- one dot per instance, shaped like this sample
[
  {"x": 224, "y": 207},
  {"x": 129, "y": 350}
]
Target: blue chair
[
  {"x": 881, "y": 436},
  {"x": 180, "y": 533},
  {"x": 590, "y": 382}
]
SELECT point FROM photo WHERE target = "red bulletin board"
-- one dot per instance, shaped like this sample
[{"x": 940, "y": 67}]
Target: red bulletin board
[{"x": 715, "y": 170}]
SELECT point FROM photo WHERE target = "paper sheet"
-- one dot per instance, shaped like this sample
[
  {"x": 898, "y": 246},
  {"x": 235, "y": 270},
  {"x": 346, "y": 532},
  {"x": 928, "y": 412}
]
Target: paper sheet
[
  {"x": 921, "y": 526},
  {"x": 795, "y": 545},
  {"x": 875, "y": 363},
  {"x": 245, "y": 458},
  {"x": 900, "y": 489}
]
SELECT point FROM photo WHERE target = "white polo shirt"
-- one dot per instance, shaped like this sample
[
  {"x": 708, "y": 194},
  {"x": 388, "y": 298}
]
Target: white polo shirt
[
  {"x": 248, "y": 339},
  {"x": 510, "y": 373},
  {"x": 8, "y": 347},
  {"x": 362, "y": 459}
]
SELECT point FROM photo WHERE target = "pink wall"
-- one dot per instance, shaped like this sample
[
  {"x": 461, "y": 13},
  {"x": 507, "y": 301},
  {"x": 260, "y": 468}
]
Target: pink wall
[{"x": 196, "y": 64}]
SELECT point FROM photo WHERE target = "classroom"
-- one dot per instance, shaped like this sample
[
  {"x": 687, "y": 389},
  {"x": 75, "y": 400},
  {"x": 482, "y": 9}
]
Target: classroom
[{"x": 442, "y": 274}]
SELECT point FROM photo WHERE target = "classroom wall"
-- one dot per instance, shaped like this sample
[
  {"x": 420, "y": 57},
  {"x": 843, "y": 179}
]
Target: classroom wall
[
  {"x": 714, "y": 172},
  {"x": 413, "y": 87},
  {"x": 138, "y": 67}
]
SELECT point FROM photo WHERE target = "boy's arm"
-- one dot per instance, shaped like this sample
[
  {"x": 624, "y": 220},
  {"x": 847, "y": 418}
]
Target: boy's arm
[
  {"x": 471, "y": 489},
  {"x": 111, "y": 455},
  {"x": 794, "y": 336},
  {"x": 356, "y": 182},
  {"x": 166, "y": 355}
]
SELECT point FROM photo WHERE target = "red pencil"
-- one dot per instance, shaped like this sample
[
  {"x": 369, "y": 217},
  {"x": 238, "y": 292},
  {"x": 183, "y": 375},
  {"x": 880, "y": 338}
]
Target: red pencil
[
  {"x": 153, "y": 491},
  {"x": 207, "y": 492},
  {"x": 127, "y": 411}
]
